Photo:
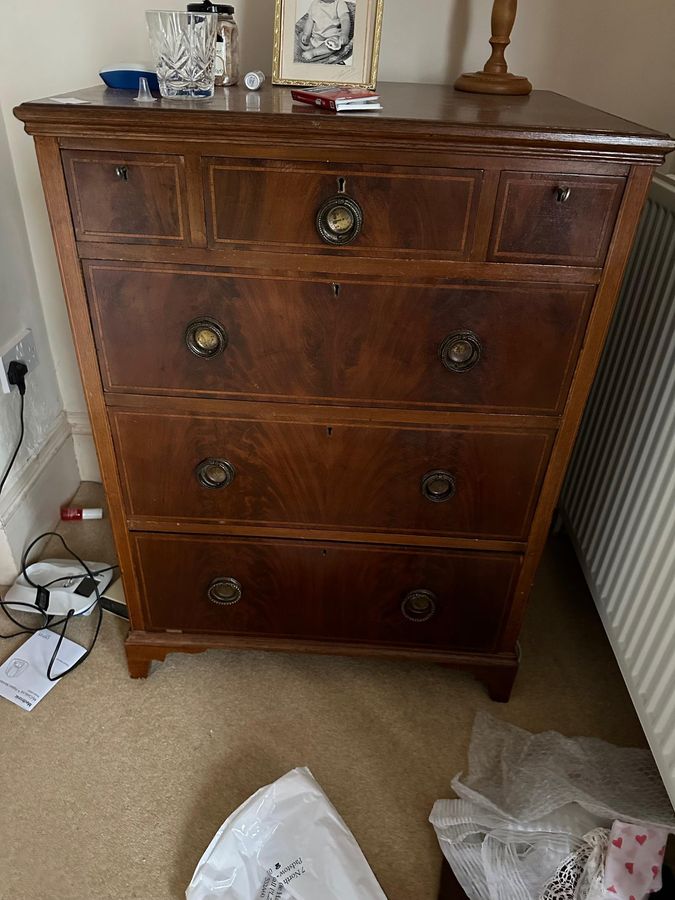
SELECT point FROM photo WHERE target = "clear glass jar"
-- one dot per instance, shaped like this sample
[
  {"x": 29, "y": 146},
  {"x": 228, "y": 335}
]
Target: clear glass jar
[{"x": 227, "y": 41}]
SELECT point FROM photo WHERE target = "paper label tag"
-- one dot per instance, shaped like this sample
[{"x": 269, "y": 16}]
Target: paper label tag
[
  {"x": 23, "y": 677},
  {"x": 68, "y": 100}
]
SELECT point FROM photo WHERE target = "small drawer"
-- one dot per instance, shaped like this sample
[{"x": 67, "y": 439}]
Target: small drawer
[
  {"x": 385, "y": 210},
  {"x": 325, "y": 591},
  {"x": 506, "y": 347},
  {"x": 345, "y": 474},
  {"x": 126, "y": 198},
  {"x": 564, "y": 220}
]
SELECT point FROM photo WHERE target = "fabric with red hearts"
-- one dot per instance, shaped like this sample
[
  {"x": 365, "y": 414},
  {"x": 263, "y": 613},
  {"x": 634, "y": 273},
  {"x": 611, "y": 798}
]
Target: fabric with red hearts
[{"x": 634, "y": 861}]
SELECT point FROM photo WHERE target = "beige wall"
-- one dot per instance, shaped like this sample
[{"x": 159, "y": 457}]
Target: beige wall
[{"x": 614, "y": 54}]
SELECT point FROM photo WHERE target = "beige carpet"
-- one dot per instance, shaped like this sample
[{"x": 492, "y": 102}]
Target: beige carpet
[{"x": 112, "y": 788}]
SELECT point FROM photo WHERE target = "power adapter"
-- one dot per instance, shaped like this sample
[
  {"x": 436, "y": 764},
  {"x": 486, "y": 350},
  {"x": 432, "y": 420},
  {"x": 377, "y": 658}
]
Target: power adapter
[{"x": 16, "y": 374}]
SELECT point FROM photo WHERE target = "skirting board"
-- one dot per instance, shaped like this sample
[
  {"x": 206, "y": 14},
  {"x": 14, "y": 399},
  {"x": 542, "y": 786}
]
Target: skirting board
[
  {"x": 31, "y": 505},
  {"x": 80, "y": 427}
]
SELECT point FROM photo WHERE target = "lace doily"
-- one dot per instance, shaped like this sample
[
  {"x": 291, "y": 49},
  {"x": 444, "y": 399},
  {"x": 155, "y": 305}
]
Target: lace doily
[{"x": 581, "y": 871}]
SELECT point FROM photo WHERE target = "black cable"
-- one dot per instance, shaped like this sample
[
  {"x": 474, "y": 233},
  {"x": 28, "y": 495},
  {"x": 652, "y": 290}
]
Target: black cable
[
  {"x": 16, "y": 450},
  {"x": 47, "y": 621}
]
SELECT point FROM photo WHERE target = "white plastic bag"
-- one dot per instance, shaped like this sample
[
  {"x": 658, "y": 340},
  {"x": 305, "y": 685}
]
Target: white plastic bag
[
  {"x": 529, "y": 799},
  {"x": 286, "y": 841}
]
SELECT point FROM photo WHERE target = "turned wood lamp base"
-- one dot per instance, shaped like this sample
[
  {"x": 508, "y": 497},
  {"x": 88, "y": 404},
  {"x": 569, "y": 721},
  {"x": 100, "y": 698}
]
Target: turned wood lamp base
[
  {"x": 495, "y": 77},
  {"x": 486, "y": 83}
]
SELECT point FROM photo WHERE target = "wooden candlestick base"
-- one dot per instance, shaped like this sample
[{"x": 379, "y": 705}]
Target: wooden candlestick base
[
  {"x": 493, "y": 83},
  {"x": 495, "y": 77}
]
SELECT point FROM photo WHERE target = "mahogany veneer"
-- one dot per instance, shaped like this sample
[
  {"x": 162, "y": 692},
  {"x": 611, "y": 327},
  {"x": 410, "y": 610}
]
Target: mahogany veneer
[{"x": 337, "y": 447}]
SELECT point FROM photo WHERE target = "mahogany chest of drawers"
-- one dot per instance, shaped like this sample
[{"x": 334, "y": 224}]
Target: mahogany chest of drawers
[{"x": 335, "y": 364}]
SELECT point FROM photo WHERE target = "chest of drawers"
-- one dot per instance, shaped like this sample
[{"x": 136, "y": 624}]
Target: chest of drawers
[{"x": 335, "y": 364}]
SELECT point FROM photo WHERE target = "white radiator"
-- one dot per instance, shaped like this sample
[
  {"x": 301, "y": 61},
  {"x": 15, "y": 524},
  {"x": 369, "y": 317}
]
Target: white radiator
[{"x": 618, "y": 501}]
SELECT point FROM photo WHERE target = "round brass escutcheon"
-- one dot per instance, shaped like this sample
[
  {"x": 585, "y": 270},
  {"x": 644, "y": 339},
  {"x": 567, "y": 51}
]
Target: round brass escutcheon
[
  {"x": 438, "y": 486},
  {"x": 339, "y": 220},
  {"x": 419, "y": 605},
  {"x": 205, "y": 337},
  {"x": 460, "y": 351},
  {"x": 224, "y": 591},
  {"x": 215, "y": 473}
]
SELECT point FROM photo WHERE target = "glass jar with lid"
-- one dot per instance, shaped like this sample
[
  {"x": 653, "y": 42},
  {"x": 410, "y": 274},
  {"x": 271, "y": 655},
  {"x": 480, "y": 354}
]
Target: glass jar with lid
[{"x": 227, "y": 41}]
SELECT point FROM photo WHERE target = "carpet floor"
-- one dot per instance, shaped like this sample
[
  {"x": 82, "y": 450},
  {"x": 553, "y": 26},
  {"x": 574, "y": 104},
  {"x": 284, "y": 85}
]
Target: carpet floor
[{"x": 111, "y": 788}]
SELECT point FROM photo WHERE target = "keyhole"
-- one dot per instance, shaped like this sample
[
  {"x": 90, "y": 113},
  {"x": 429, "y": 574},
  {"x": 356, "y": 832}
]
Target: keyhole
[
  {"x": 329, "y": 431},
  {"x": 342, "y": 185},
  {"x": 324, "y": 552},
  {"x": 336, "y": 289}
]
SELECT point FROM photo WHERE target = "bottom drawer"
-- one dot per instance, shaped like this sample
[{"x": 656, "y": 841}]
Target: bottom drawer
[{"x": 325, "y": 591}]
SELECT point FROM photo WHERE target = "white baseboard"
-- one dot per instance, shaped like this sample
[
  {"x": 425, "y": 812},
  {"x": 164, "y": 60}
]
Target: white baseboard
[
  {"x": 32, "y": 502},
  {"x": 85, "y": 451}
]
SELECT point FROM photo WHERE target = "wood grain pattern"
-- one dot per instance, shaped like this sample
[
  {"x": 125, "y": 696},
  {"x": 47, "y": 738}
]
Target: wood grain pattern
[
  {"x": 452, "y": 157},
  {"x": 56, "y": 196},
  {"x": 320, "y": 264},
  {"x": 627, "y": 222},
  {"x": 142, "y": 647},
  {"x": 532, "y": 225},
  {"x": 341, "y": 341},
  {"x": 416, "y": 117},
  {"x": 327, "y": 415},
  {"x": 177, "y": 525},
  {"x": 423, "y": 212},
  {"x": 330, "y": 397},
  {"x": 146, "y": 205},
  {"x": 361, "y": 590},
  {"x": 338, "y": 476}
]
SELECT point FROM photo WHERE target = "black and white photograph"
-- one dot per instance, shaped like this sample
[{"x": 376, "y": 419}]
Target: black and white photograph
[
  {"x": 325, "y": 32},
  {"x": 327, "y": 42}
]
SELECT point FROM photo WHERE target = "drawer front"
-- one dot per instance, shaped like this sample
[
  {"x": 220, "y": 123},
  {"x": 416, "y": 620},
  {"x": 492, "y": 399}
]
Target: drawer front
[
  {"x": 487, "y": 347},
  {"x": 564, "y": 220},
  {"x": 338, "y": 592},
  {"x": 348, "y": 476},
  {"x": 126, "y": 197},
  {"x": 429, "y": 211}
]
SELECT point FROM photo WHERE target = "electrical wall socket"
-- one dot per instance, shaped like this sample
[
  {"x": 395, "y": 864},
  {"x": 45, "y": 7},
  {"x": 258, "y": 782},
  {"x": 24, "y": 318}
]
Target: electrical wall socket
[{"x": 21, "y": 349}]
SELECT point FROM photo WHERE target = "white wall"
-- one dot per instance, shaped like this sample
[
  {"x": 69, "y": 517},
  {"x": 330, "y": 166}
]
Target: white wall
[
  {"x": 615, "y": 54},
  {"x": 46, "y": 461}
]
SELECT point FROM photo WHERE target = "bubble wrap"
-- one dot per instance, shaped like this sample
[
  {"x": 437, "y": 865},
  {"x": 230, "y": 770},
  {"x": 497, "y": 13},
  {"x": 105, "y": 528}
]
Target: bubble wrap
[{"x": 528, "y": 800}]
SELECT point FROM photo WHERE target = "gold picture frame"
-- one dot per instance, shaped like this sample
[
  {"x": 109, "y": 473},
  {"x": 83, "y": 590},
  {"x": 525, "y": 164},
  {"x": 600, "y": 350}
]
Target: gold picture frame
[{"x": 356, "y": 70}]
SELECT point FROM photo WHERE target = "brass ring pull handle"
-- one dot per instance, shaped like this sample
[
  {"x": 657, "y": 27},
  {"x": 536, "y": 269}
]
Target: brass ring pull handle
[
  {"x": 122, "y": 172},
  {"x": 460, "y": 351},
  {"x": 562, "y": 194},
  {"x": 419, "y": 605},
  {"x": 438, "y": 486},
  {"x": 205, "y": 337},
  {"x": 215, "y": 473},
  {"x": 339, "y": 220},
  {"x": 224, "y": 591}
]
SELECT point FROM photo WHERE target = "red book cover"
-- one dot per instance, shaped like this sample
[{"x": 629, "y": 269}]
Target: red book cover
[{"x": 327, "y": 97}]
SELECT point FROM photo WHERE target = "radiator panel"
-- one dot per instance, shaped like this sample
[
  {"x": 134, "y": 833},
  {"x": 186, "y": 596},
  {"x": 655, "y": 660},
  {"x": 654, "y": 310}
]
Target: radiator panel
[{"x": 618, "y": 500}]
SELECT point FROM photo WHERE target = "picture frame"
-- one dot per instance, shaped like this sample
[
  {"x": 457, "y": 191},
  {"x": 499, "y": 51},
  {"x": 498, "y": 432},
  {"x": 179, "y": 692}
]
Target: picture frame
[{"x": 327, "y": 42}]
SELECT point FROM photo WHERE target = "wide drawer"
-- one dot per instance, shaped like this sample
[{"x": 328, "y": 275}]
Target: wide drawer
[
  {"x": 126, "y": 197},
  {"x": 346, "y": 475},
  {"x": 565, "y": 220},
  {"x": 329, "y": 591},
  {"x": 427, "y": 211},
  {"x": 508, "y": 347}
]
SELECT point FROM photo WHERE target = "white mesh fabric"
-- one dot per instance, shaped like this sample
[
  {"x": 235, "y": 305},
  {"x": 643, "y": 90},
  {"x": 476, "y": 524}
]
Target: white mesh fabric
[
  {"x": 526, "y": 776},
  {"x": 528, "y": 800}
]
